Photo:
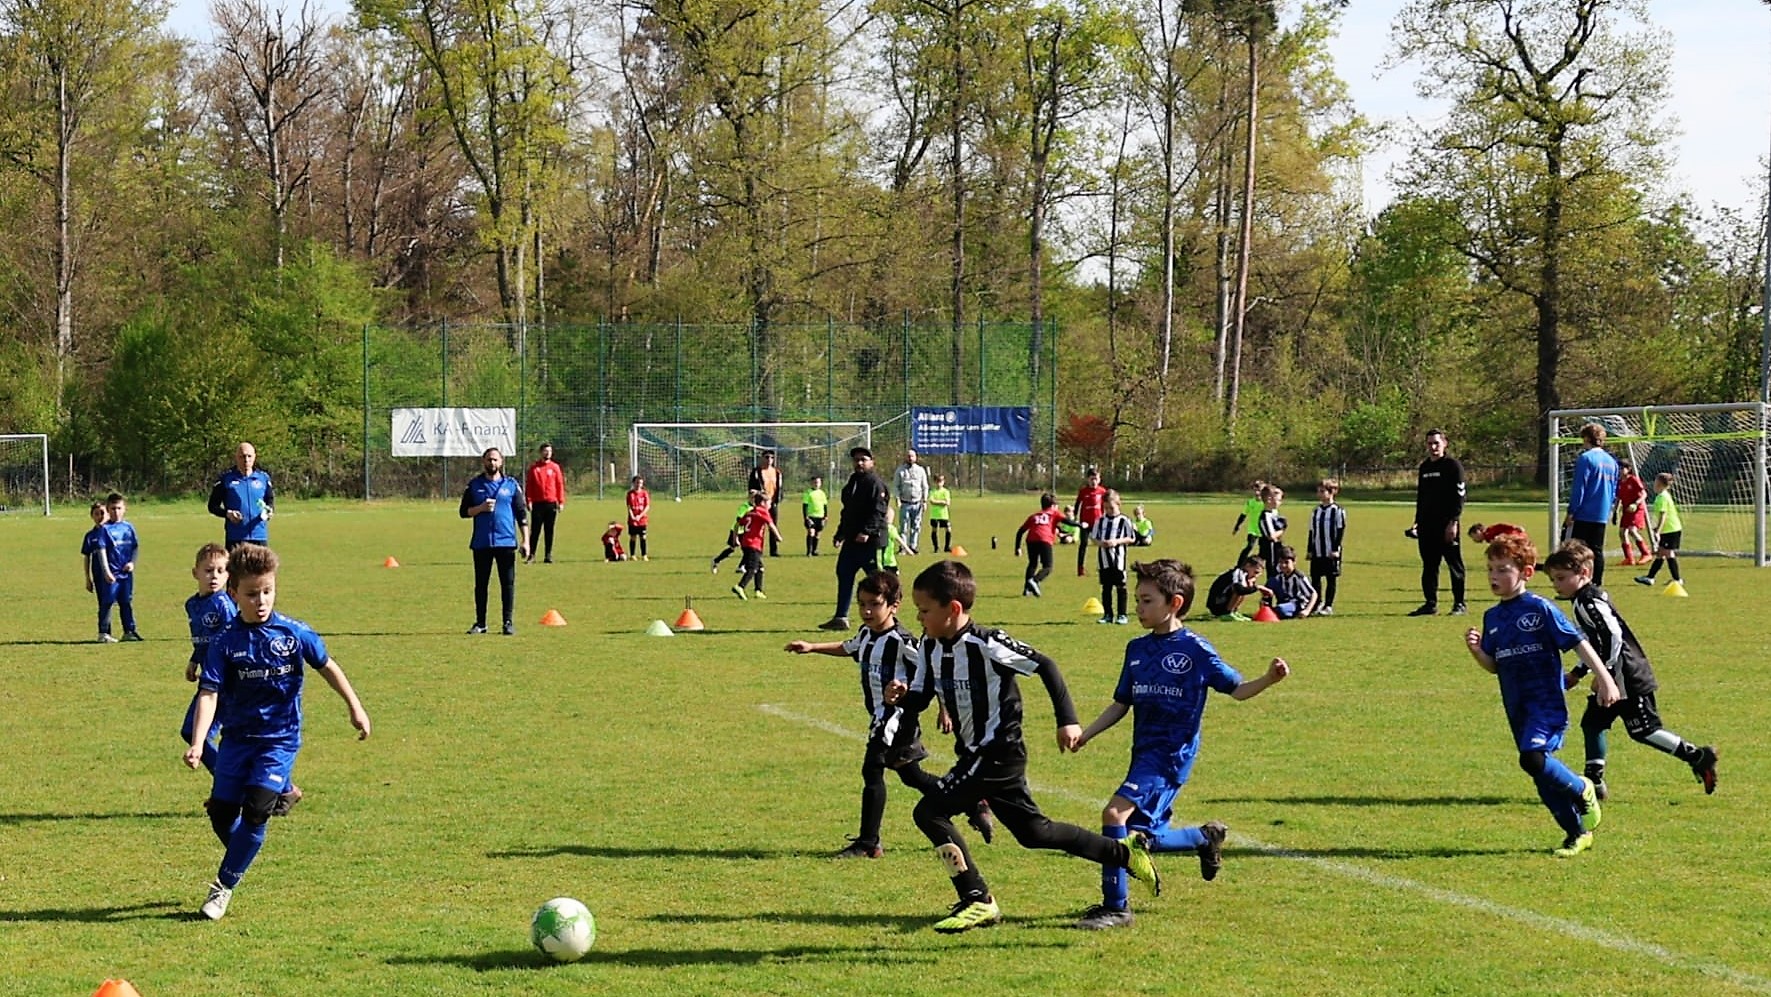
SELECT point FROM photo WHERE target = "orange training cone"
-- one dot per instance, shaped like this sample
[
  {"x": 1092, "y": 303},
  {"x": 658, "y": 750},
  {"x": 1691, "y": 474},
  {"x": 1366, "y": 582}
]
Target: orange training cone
[
  {"x": 390, "y": 563},
  {"x": 1265, "y": 614},
  {"x": 957, "y": 551},
  {"x": 690, "y": 620},
  {"x": 116, "y": 988},
  {"x": 552, "y": 618}
]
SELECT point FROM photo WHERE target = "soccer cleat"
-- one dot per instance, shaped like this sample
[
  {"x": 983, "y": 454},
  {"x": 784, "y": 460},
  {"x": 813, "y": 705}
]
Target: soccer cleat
[
  {"x": 548, "y": 559},
  {"x": 1460, "y": 609},
  {"x": 983, "y": 822},
  {"x": 1139, "y": 863},
  {"x": 132, "y": 635},
  {"x": 644, "y": 557},
  {"x": 1425, "y": 609},
  {"x": 1105, "y": 619},
  {"x": 106, "y": 639},
  {"x": 1100, "y": 917},
  {"x": 714, "y": 566},
  {"x": 1644, "y": 580},
  {"x": 1705, "y": 768},
  {"x": 1241, "y": 618},
  {"x": 1575, "y": 845},
  {"x": 857, "y": 850},
  {"x": 1211, "y": 854},
  {"x": 1589, "y": 805},
  {"x": 217, "y": 904},
  {"x": 286, "y": 801},
  {"x": 509, "y": 628},
  {"x": 738, "y": 590},
  {"x": 1033, "y": 587},
  {"x": 835, "y": 623},
  {"x": 1325, "y": 611},
  {"x": 477, "y": 628},
  {"x": 1120, "y": 619},
  {"x": 760, "y": 594},
  {"x": 969, "y": 914}
]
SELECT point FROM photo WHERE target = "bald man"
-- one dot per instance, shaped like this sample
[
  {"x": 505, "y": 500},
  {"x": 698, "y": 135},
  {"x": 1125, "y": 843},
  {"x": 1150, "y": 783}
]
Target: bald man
[{"x": 243, "y": 498}]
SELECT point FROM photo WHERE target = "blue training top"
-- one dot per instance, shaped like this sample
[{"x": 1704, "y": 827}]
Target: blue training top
[
  {"x": 208, "y": 616},
  {"x": 497, "y": 528},
  {"x": 1593, "y": 491},
  {"x": 1526, "y": 637},
  {"x": 1164, "y": 680},
  {"x": 97, "y": 544},
  {"x": 257, "y": 670},
  {"x": 123, "y": 545},
  {"x": 246, "y": 494}
]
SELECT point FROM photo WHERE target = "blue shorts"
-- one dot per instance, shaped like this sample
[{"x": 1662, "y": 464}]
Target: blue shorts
[
  {"x": 1152, "y": 785},
  {"x": 1539, "y": 732},
  {"x": 242, "y": 763}
]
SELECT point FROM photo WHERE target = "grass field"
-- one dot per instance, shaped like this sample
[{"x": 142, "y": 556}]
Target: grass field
[{"x": 1383, "y": 840}]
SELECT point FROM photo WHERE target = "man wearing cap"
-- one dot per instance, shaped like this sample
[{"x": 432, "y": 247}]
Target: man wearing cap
[{"x": 860, "y": 532}]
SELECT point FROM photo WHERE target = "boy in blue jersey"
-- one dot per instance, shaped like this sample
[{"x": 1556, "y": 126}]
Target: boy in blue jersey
[
  {"x": 209, "y": 611},
  {"x": 95, "y": 552},
  {"x": 1521, "y": 641},
  {"x": 1163, "y": 684},
  {"x": 251, "y": 682},
  {"x": 123, "y": 548}
]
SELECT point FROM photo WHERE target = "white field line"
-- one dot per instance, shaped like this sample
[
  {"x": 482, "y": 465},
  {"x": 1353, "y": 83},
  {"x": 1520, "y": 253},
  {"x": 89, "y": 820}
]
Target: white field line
[{"x": 1572, "y": 929}]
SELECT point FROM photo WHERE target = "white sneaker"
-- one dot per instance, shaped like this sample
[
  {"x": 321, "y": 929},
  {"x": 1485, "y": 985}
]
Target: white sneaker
[
  {"x": 1120, "y": 619},
  {"x": 217, "y": 904},
  {"x": 1325, "y": 611},
  {"x": 106, "y": 639}
]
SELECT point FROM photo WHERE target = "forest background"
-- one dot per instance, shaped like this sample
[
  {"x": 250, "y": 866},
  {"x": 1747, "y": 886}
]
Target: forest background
[{"x": 194, "y": 239}]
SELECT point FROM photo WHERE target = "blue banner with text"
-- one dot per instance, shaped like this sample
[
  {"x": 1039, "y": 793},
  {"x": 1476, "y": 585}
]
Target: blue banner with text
[{"x": 971, "y": 429}]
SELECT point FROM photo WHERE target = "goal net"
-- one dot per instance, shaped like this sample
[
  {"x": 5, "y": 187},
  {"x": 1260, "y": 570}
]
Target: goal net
[
  {"x": 24, "y": 473},
  {"x": 687, "y": 458},
  {"x": 1715, "y": 452}
]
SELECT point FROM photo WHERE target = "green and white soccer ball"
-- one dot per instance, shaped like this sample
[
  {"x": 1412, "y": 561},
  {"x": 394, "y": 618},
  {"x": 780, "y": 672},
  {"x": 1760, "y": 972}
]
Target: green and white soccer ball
[{"x": 563, "y": 929}]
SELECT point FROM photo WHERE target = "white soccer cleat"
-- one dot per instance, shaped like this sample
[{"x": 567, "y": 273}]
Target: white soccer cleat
[{"x": 217, "y": 904}]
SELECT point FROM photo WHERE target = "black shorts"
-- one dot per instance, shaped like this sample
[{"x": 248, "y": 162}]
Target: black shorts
[
  {"x": 893, "y": 756},
  {"x": 635, "y": 530},
  {"x": 751, "y": 562},
  {"x": 815, "y": 523},
  {"x": 1670, "y": 541},
  {"x": 1639, "y": 714},
  {"x": 938, "y": 522},
  {"x": 1112, "y": 577},
  {"x": 999, "y": 776},
  {"x": 1325, "y": 567}
]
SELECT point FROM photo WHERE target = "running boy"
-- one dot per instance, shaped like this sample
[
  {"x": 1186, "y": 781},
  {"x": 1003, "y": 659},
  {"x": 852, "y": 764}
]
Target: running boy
[
  {"x": 814, "y": 505},
  {"x": 251, "y": 682},
  {"x": 941, "y": 516},
  {"x": 1521, "y": 641},
  {"x": 1167, "y": 701},
  {"x": 1667, "y": 530},
  {"x": 973, "y": 671},
  {"x": 1112, "y": 534},
  {"x": 886, "y": 653},
  {"x": 123, "y": 547},
  {"x": 639, "y": 511},
  {"x": 1571, "y": 572},
  {"x": 1328, "y": 527},
  {"x": 96, "y": 555},
  {"x": 1224, "y": 600},
  {"x": 1040, "y": 531},
  {"x": 752, "y": 527}
]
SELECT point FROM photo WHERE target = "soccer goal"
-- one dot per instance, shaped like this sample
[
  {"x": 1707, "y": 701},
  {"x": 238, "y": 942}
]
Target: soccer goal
[
  {"x": 1716, "y": 452},
  {"x": 24, "y": 472},
  {"x": 687, "y": 458}
]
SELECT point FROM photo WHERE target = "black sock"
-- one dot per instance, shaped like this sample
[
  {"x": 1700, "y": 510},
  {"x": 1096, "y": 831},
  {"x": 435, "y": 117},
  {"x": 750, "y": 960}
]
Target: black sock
[
  {"x": 1654, "y": 569},
  {"x": 1672, "y": 567}
]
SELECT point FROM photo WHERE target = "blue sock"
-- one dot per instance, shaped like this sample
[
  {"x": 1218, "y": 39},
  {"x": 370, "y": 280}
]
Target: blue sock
[
  {"x": 1115, "y": 885},
  {"x": 1560, "y": 790},
  {"x": 243, "y": 847},
  {"x": 1176, "y": 839}
]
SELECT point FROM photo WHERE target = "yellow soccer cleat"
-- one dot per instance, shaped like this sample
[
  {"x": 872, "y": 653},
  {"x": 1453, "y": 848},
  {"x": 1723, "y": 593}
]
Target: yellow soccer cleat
[
  {"x": 1575, "y": 845},
  {"x": 969, "y": 914}
]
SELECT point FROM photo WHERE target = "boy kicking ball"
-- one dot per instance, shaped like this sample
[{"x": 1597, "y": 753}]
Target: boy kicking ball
[
  {"x": 1164, "y": 681},
  {"x": 251, "y": 682},
  {"x": 1521, "y": 641}
]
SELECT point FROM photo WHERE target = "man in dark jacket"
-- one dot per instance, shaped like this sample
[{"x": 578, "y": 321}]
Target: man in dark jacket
[
  {"x": 860, "y": 532},
  {"x": 1438, "y": 503}
]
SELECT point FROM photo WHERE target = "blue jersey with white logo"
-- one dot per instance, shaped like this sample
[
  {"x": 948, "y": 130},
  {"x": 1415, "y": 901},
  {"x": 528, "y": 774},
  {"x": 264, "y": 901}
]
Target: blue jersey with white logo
[
  {"x": 497, "y": 528},
  {"x": 96, "y": 548},
  {"x": 123, "y": 545},
  {"x": 1526, "y": 637},
  {"x": 1164, "y": 680},
  {"x": 248, "y": 495},
  {"x": 208, "y": 615},
  {"x": 257, "y": 670}
]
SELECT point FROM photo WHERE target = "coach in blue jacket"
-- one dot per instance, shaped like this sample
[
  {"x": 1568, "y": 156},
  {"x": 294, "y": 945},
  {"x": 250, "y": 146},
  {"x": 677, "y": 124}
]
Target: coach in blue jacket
[
  {"x": 243, "y": 497},
  {"x": 495, "y": 504},
  {"x": 1592, "y": 496}
]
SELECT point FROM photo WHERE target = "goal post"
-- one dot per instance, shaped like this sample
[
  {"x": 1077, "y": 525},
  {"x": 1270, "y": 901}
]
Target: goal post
[
  {"x": 687, "y": 458},
  {"x": 1717, "y": 454},
  {"x": 24, "y": 472}
]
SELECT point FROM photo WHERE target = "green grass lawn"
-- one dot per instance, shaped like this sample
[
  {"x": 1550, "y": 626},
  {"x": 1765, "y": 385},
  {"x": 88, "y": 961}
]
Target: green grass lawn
[{"x": 1383, "y": 839}]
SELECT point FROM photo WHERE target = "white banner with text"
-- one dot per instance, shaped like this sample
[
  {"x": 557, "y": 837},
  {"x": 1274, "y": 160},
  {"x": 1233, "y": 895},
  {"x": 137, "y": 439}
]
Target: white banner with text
[{"x": 453, "y": 432}]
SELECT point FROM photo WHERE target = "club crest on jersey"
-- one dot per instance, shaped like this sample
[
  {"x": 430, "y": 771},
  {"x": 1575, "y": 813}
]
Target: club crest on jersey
[
  {"x": 283, "y": 645},
  {"x": 1531, "y": 622},
  {"x": 211, "y": 620},
  {"x": 1177, "y": 664}
]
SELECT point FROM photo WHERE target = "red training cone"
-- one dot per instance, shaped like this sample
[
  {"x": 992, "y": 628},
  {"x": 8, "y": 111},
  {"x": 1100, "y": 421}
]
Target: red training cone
[
  {"x": 1265, "y": 614},
  {"x": 957, "y": 551},
  {"x": 390, "y": 563},
  {"x": 116, "y": 988},
  {"x": 690, "y": 620},
  {"x": 552, "y": 618}
]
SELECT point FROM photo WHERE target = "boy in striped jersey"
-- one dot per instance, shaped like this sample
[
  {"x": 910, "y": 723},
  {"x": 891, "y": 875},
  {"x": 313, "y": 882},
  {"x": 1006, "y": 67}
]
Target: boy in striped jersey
[
  {"x": 886, "y": 653},
  {"x": 1571, "y": 572},
  {"x": 1328, "y": 526},
  {"x": 1112, "y": 534},
  {"x": 973, "y": 671}
]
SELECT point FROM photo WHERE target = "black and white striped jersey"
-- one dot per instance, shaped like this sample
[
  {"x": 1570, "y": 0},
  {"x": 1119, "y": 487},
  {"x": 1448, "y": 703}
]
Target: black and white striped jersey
[
  {"x": 1328, "y": 526},
  {"x": 884, "y": 657},
  {"x": 1612, "y": 640},
  {"x": 1112, "y": 528},
  {"x": 974, "y": 673},
  {"x": 1271, "y": 524}
]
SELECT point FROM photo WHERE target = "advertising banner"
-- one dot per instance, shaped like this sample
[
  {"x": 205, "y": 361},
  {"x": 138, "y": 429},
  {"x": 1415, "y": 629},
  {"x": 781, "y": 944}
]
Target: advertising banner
[{"x": 453, "y": 432}]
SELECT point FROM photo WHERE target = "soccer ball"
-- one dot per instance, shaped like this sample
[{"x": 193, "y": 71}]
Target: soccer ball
[
  {"x": 563, "y": 929},
  {"x": 679, "y": 498}
]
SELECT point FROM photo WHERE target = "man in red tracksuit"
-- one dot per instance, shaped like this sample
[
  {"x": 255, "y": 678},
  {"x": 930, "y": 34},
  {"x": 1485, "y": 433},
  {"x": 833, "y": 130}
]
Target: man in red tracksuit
[{"x": 545, "y": 486}]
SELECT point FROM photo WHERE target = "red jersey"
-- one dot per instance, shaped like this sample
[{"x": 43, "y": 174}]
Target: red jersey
[
  {"x": 545, "y": 482},
  {"x": 639, "y": 503},
  {"x": 753, "y": 526},
  {"x": 1042, "y": 526},
  {"x": 1492, "y": 533},
  {"x": 1091, "y": 504},
  {"x": 612, "y": 538},
  {"x": 1630, "y": 491}
]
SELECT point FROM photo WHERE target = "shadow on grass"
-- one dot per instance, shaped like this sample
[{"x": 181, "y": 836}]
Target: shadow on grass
[
  {"x": 1394, "y": 854},
  {"x": 655, "y": 852},
  {"x": 6, "y": 819},
  {"x": 903, "y": 923},
  {"x": 156, "y": 910},
  {"x": 1376, "y": 801},
  {"x": 515, "y": 959}
]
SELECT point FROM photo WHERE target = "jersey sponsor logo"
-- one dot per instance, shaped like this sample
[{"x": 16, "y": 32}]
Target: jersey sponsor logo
[
  {"x": 283, "y": 645},
  {"x": 1152, "y": 689},
  {"x": 266, "y": 673},
  {"x": 1177, "y": 664},
  {"x": 1531, "y": 622}
]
